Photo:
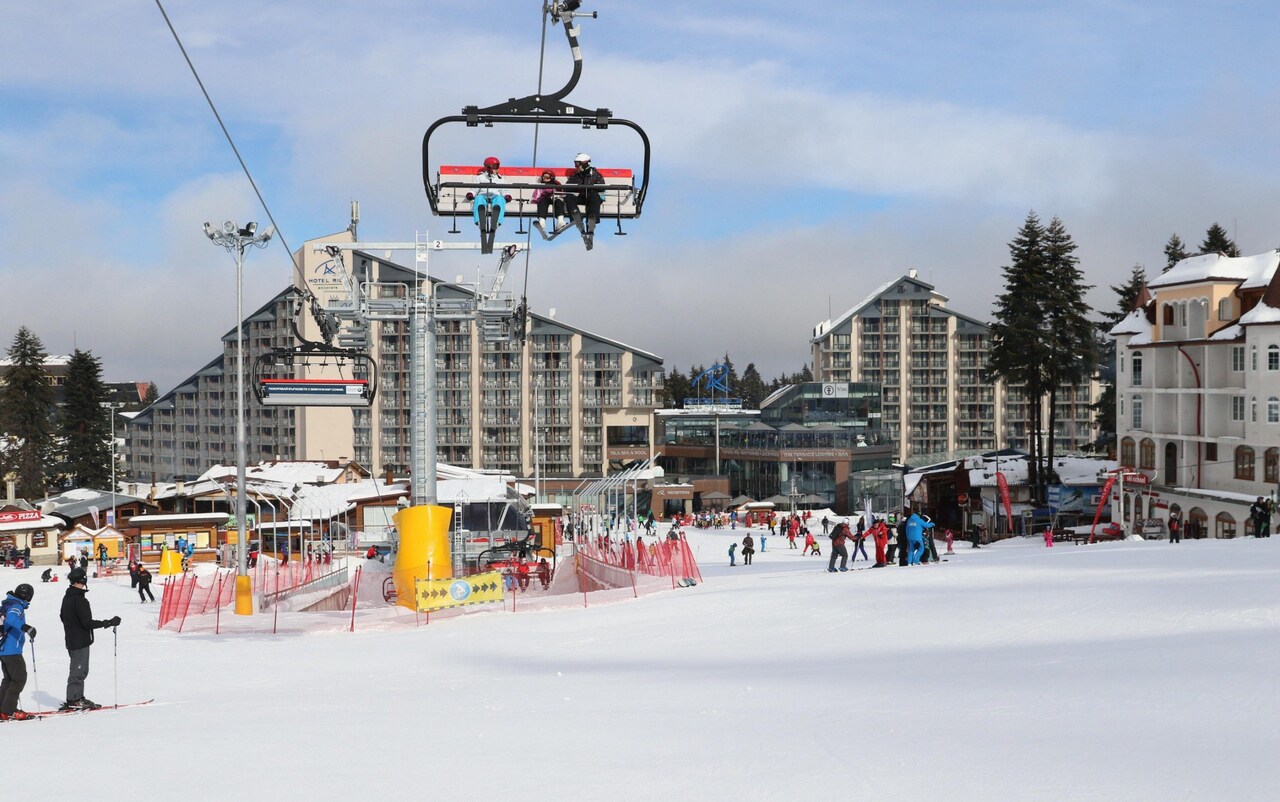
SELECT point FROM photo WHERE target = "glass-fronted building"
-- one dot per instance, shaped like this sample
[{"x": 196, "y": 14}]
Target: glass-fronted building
[{"x": 802, "y": 445}]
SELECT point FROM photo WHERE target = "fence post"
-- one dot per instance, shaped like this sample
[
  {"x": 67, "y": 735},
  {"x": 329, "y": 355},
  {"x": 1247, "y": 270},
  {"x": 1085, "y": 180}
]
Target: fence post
[
  {"x": 275, "y": 608},
  {"x": 355, "y": 593},
  {"x": 582, "y": 580}
]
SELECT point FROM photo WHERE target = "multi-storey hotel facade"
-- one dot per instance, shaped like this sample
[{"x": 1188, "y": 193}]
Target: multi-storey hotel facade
[
  {"x": 931, "y": 362},
  {"x": 563, "y": 403},
  {"x": 1198, "y": 394}
]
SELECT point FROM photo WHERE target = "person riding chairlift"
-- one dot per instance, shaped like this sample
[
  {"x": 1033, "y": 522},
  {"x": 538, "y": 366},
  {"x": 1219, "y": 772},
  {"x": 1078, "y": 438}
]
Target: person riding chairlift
[
  {"x": 550, "y": 200},
  {"x": 487, "y": 197},
  {"x": 579, "y": 183}
]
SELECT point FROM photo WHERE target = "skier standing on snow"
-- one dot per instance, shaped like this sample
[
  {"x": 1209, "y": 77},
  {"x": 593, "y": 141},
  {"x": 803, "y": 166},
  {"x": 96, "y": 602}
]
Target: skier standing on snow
[
  {"x": 1048, "y": 537},
  {"x": 915, "y": 526},
  {"x": 881, "y": 534},
  {"x": 78, "y": 624},
  {"x": 13, "y": 637},
  {"x": 732, "y": 548},
  {"x": 144, "y": 584},
  {"x": 838, "y": 549},
  {"x": 748, "y": 548},
  {"x": 858, "y": 537}
]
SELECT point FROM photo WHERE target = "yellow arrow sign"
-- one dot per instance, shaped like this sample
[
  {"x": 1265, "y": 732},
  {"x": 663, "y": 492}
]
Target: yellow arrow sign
[{"x": 440, "y": 594}]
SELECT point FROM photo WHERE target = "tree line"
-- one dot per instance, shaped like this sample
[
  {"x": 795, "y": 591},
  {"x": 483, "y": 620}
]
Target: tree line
[
  {"x": 750, "y": 386},
  {"x": 46, "y": 445}
]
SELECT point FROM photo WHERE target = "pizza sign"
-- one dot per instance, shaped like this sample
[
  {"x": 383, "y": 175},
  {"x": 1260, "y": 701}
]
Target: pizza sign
[{"x": 20, "y": 516}]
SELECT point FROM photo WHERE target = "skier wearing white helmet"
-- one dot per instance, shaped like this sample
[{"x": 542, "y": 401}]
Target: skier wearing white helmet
[{"x": 583, "y": 177}]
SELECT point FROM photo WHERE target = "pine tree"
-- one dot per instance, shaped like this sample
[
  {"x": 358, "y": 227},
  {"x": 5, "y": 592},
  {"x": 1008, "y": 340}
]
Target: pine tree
[
  {"x": 26, "y": 408},
  {"x": 152, "y": 395},
  {"x": 1072, "y": 336},
  {"x": 1127, "y": 296},
  {"x": 1174, "y": 252},
  {"x": 1019, "y": 348},
  {"x": 752, "y": 389},
  {"x": 1217, "y": 241},
  {"x": 675, "y": 389},
  {"x": 806, "y": 375},
  {"x": 85, "y": 423},
  {"x": 731, "y": 378}
]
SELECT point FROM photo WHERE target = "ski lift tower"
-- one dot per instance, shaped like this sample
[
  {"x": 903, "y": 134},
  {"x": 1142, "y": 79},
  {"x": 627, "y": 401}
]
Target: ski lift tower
[{"x": 495, "y": 312}]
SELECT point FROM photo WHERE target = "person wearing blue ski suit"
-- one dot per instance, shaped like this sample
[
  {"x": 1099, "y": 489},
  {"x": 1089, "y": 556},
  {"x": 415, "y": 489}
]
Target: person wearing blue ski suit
[
  {"x": 13, "y": 637},
  {"x": 915, "y": 537}
]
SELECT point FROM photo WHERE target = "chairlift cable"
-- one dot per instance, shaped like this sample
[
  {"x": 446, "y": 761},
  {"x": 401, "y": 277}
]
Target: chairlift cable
[
  {"x": 542, "y": 56},
  {"x": 279, "y": 232}
]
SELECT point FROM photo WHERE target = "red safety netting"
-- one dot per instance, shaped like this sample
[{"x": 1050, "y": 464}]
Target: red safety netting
[
  {"x": 190, "y": 594},
  {"x": 671, "y": 558}
]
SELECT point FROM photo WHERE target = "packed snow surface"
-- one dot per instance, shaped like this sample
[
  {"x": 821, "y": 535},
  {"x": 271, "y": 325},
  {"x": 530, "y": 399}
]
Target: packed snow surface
[{"x": 1132, "y": 670}]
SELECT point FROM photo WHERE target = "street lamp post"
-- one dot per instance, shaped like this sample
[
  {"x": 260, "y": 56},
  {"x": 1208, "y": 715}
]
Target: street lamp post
[{"x": 236, "y": 240}]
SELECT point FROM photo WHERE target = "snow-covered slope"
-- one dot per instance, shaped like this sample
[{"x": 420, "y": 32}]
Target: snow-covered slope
[{"x": 1135, "y": 671}]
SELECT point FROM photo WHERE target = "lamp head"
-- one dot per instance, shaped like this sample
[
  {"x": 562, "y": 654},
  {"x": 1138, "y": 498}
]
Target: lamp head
[
  {"x": 228, "y": 227},
  {"x": 248, "y": 229},
  {"x": 268, "y": 234},
  {"x": 209, "y": 232}
]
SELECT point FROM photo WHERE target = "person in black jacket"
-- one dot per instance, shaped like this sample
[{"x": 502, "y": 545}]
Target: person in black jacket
[
  {"x": 144, "y": 584},
  {"x": 78, "y": 624}
]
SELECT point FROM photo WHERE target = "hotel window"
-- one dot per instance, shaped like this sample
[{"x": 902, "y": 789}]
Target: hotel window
[
  {"x": 1126, "y": 452},
  {"x": 1237, "y": 358},
  {"x": 1147, "y": 454},
  {"x": 1224, "y": 309},
  {"x": 1137, "y": 370},
  {"x": 1244, "y": 463},
  {"x": 1273, "y": 357},
  {"x": 1253, "y": 357},
  {"x": 1271, "y": 466},
  {"x": 1237, "y": 408},
  {"x": 1273, "y": 410},
  {"x": 1137, "y": 413}
]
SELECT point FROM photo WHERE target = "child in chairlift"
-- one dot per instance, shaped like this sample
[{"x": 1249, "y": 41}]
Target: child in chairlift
[
  {"x": 550, "y": 201},
  {"x": 486, "y": 196}
]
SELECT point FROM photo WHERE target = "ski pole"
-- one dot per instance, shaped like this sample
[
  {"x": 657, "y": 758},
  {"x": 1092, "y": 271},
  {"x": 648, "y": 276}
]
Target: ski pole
[
  {"x": 115, "y": 662},
  {"x": 35, "y": 675}
]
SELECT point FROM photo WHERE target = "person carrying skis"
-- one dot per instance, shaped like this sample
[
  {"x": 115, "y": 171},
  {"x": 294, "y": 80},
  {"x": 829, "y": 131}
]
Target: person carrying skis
[
  {"x": 16, "y": 630},
  {"x": 78, "y": 625}
]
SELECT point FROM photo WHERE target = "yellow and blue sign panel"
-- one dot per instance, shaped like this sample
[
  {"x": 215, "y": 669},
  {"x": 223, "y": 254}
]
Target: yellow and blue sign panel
[{"x": 441, "y": 594}]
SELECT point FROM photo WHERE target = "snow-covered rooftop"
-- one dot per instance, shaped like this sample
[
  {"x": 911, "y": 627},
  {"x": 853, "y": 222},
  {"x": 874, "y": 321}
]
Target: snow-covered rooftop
[
  {"x": 1253, "y": 271},
  {"x": 1134, "y": 323}
]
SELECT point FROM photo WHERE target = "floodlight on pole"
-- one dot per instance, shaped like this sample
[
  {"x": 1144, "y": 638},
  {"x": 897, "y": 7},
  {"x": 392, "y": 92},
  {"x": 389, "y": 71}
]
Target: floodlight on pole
[{"x": 235, "y": 241}]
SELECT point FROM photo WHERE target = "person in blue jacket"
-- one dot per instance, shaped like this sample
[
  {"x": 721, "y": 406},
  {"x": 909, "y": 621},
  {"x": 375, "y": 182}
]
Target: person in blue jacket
[
  {"x": 915, "y": 536},
  {"x": 13, "y": 638}
]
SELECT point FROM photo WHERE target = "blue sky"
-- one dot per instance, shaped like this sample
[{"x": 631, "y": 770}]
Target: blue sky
[{"x": 800, "y": 158}]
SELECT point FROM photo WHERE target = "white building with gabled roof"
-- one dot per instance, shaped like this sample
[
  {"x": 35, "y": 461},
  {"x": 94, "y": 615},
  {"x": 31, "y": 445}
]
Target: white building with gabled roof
[{"x": 1198, "y": 392}]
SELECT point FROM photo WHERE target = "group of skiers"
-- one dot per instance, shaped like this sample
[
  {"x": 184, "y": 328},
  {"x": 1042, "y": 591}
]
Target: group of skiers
[
  {"x": 78, "y": 625},
  {"x": 914, "y": 541}
]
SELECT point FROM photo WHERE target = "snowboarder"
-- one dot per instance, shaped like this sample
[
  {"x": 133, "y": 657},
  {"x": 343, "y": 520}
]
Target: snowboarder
[
  {"x": 16, "y": 630},
  {"x": 78, "y": 625},
  {"x": 748, "y": 548}
]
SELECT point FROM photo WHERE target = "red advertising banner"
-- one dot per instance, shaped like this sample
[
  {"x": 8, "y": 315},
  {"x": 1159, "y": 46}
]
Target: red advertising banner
[
  {"x": 1003, "y": 484},
  {"x": 1102, "y": 502},
  {"x": 20, "y": 516}
]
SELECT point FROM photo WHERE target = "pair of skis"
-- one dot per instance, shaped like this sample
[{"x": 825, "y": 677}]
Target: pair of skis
[{"x": 77, "y": 710}]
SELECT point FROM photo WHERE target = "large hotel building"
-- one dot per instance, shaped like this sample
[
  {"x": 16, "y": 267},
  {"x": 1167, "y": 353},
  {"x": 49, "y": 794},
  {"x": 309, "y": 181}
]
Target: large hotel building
[
  {"x": 930, "y": 361},
  {"x": 563, "y": 403}
]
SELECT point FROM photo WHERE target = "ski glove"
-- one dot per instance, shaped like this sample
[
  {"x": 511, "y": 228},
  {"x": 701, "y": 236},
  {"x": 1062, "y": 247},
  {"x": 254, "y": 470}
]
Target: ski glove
[
  {"x": 30, "y": 630},
  {"x": 115, "y": 622}
]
